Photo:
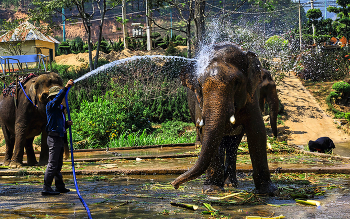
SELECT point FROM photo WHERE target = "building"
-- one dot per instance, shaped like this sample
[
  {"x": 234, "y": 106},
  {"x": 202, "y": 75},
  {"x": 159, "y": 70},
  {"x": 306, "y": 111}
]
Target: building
[{"x": 31, "y": 40}]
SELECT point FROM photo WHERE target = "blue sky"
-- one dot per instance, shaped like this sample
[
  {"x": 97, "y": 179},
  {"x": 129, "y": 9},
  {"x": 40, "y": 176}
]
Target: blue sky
[{"x": 321, "y": 5}]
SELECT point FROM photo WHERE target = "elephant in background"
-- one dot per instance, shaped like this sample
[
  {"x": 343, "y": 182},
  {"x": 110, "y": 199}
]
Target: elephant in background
[
  {"x": 268, "y": 93},
  {"x": 23, "y": 120},
  {"x": 226, "y": 105}
]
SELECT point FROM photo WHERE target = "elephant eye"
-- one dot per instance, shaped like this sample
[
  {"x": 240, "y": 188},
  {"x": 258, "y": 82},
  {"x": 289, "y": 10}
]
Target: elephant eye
[{"x": 44, "y": 95}]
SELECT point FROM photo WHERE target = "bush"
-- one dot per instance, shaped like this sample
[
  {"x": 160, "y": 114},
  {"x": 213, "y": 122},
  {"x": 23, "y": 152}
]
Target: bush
[
  {"x": 125, "y": 99},
  {"x": 64, "y": 48},
  {"x": 334, "y": 95},
  {"x": 323, "y": 66},
  {"x": 276, "y": 44},
  {"x": 115, "y": 116},
  {"x": 341, "y": 87}
]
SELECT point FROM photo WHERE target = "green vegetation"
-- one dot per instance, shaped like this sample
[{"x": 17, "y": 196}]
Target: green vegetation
[{"x": 120, "y": 107}]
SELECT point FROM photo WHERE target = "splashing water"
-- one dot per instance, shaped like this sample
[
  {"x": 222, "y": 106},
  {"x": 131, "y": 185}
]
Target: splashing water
[{"x": 107, "y": 67}]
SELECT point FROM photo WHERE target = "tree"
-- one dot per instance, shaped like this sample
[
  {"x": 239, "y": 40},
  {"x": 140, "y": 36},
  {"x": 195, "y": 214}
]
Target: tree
[
  {"x": 185, "y": 10},
  {"x": 342, "y": 22},
  {"x": 86, "y": 10},
  {"x": 314, "y": 14}
]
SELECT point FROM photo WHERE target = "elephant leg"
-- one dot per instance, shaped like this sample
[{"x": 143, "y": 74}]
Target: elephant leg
[
  {"x": 31, "y": 160},
  {"x": 44, "y": 153},
  {"x": 256, "y": 135},
  {"x": 272, "y": 99},
  {"x": 215, "y": 172},
  {"x": 66, "y": 146},
  {"x": 198, "y": 143},
  {"x": 231, "y": 159},
  {"x": 10, "y": 142},
  {"x": 20, "y": 143}
]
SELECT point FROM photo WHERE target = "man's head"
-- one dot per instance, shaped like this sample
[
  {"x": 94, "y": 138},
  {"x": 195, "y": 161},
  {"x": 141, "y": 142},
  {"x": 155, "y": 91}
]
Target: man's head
[{"x": 53, "y": 91}]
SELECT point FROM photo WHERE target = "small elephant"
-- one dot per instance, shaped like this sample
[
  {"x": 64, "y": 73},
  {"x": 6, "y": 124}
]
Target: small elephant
[
  {"x": 22, "y": 119},
  {"x": 268, "y": 93},
  {"x": 322, "y": 145},
  {"x": 226, "y": 105}
]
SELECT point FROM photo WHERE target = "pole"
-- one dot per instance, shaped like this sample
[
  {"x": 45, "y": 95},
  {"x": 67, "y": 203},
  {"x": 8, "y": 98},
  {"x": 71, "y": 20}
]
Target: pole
[
  {"x": 325, "y": 9},
  {"x": 148, "y": 31},
  {"x": 64, "y": 25},
  {"x": 300, "y": 25},
  {"x": 124, "y": 24},
  {"x": 313, "y": 25},
  {"x": 171, "y": 23}
]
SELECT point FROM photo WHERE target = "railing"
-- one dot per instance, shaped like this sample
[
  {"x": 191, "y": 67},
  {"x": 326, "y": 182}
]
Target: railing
[{"x": 18, "y": 65}]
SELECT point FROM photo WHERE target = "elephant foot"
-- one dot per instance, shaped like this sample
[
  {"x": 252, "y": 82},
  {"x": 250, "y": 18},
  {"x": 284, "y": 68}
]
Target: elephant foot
[
  {"x": 15, "y": 164},
  {"x": 267, "y": 189},
  {"x": 233, "y": 182},
  {"x": 6, "y": 163},
  {"x": 32, "y": 163},
  {"x": 208, "y": 189}
]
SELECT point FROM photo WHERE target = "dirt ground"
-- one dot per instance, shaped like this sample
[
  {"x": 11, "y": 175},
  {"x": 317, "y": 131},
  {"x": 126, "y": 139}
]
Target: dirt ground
[{"x": 305, "y": 118}]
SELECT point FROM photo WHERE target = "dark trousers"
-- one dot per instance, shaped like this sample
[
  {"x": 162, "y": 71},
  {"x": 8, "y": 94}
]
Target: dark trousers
[{"x": 54, "y": 166}]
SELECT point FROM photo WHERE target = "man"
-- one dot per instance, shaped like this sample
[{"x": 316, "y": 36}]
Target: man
[{"x": 56, "y": 128}]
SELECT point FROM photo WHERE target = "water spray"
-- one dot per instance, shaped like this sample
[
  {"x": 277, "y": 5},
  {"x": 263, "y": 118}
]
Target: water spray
[{"x": 72, "y": 158}]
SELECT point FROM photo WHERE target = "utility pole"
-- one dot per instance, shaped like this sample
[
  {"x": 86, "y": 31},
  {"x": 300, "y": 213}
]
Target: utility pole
[
  {"x": 124, "y": 24},
  {"x": 64, "y": 25},
  {"x": 313, "y": 25},
  {"x": 171, "y": 23},
  {"x": 300, "y": 25},
  {"x": 148, "y": 31},
  {"x": 325, "y": 9}
]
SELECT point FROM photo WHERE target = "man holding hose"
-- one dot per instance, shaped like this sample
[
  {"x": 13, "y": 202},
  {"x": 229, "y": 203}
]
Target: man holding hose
[{"x": 56, "y": 128}]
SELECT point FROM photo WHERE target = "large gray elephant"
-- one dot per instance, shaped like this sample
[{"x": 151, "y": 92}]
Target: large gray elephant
[
  {"x": 226, "y": 105},
  {"x": 23, "y": 119}
]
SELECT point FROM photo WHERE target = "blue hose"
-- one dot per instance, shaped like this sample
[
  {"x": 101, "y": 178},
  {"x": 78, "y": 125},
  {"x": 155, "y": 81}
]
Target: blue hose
[{"x": 73, "y": 168}]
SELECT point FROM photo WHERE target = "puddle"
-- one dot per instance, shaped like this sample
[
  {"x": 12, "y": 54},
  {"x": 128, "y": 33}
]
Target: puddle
[
  {"x": 150, "y": 197},
  {"x": 342, "y": 149}
]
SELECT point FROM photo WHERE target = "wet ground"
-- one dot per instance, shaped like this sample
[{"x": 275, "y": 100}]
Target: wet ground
[{"x": 118, "y": 194}]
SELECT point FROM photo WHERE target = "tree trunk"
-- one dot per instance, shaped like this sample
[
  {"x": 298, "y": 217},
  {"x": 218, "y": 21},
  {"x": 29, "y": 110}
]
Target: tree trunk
[
  {"x": 90, "y": 47},
  {"x": 99, "y": 42},
  {"x": 199, "y": 21},
  {"x": 188, "y": 33}
]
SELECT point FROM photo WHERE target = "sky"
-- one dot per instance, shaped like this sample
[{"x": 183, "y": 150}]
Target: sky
[{"x": 320, "y": 4}]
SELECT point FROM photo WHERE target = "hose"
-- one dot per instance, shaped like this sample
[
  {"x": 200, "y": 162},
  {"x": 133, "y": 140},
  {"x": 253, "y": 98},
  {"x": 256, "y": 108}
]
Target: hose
[{"x": 72, "y": 158}]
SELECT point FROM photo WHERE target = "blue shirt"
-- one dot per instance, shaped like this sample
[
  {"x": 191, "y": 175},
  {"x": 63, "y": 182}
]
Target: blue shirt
[{"x": 55, "y": 116}]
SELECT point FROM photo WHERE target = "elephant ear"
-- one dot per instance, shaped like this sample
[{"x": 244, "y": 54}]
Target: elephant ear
[
  {"x": 254, "y": 73},
  {"x": 33, "y": 91},
  {"x": 189, "y": 79}
]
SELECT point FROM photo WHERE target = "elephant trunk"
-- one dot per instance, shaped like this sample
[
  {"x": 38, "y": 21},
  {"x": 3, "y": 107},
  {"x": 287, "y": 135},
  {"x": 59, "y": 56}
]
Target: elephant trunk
[{"x": 212, "y": 136}]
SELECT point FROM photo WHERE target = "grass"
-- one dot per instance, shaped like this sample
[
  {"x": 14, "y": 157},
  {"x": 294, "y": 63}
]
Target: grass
[{"x": 173, "y": 132}]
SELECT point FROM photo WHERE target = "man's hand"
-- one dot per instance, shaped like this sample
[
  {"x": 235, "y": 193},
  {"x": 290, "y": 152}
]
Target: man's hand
[
  {"x": 69, "y": 123},
  {"x": 70, "y": 83}
]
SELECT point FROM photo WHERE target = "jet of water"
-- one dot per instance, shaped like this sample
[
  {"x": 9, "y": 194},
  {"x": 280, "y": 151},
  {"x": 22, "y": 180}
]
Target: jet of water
[{"x": 107, "y": 67}]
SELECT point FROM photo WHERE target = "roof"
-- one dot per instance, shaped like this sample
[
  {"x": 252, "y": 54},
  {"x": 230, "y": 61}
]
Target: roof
[{"x": 26, "y": 31}]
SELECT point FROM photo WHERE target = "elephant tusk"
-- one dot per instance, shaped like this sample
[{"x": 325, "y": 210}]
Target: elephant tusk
[
  {"x": 200, "y": 123},
  {"x": 233, "y": 119}
]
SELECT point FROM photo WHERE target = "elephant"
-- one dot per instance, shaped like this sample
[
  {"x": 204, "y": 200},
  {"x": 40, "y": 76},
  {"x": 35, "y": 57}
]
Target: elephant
[
  {"x": 224, "y": 105},
  {"x": 268, "y": 93},
  {"x": 23, "y": 116}
]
